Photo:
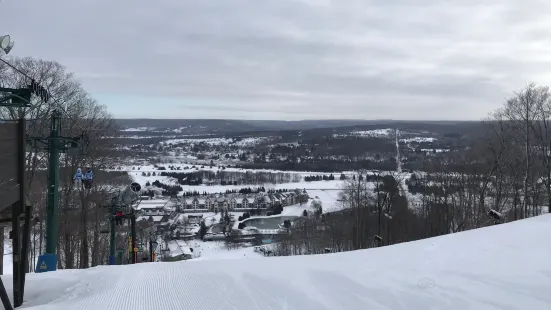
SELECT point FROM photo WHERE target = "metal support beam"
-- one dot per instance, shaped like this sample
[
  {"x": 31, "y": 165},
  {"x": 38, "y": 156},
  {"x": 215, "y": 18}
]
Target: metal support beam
[
  {"x": 16, "y": 252},
  {"x": 19, "y": 97},
  {"x": 19, "y": 252},
  {"x": 25, "y": 247}
]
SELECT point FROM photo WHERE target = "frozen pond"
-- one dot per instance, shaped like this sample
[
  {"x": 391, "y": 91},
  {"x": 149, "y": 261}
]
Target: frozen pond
[{"x": 268, "y": 222}]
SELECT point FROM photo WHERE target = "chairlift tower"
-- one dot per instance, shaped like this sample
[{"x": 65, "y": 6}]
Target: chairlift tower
[
  {"x": 54, "y": 144},
  {"x": 124, "y": 202}
]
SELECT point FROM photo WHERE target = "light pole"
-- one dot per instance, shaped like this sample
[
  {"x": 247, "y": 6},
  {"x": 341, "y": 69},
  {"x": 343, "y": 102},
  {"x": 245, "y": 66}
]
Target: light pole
[{"x": 6, "y": 44}]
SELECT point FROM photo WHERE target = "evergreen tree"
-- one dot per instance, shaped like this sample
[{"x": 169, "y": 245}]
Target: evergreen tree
[{"x": 202, "y": 230}]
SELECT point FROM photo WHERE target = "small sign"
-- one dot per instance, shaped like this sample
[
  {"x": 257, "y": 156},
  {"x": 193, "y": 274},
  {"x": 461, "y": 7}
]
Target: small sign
[
  {"x": 43, "y": 266},
  {"x": 135, "y": 249}
]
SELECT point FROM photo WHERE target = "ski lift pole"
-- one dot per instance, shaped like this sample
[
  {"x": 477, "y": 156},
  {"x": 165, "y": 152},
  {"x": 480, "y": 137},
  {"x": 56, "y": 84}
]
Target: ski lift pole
[
  {"x": 133, "y": 228},
  {"x": 112, "y": 234},
  {"x": 55, "y": 144}
]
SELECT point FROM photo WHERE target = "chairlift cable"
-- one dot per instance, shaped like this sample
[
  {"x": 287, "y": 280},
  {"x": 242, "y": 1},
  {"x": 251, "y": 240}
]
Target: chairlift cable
[{"x": 56, "y": 101}]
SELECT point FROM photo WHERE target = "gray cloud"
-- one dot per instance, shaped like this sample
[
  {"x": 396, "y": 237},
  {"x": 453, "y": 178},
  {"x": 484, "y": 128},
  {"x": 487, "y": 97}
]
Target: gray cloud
[{"x": 294, "y": 58}]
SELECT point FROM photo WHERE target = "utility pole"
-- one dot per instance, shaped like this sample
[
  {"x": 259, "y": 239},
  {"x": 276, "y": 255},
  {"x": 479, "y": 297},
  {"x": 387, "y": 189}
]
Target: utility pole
[{"x": 55, "y": 144}]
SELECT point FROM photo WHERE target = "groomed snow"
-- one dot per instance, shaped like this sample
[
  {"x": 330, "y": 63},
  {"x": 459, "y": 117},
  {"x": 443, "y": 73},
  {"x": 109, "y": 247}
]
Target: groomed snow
[{"x": 500, "y": 267}]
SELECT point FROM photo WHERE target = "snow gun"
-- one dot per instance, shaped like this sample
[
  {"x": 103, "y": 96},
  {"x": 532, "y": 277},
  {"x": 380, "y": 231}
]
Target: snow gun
[{"x": 130, "y": 194}]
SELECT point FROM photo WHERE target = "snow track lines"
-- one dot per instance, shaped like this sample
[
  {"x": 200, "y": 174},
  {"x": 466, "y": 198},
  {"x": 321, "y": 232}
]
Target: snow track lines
[{"x": 499, "y": 267}]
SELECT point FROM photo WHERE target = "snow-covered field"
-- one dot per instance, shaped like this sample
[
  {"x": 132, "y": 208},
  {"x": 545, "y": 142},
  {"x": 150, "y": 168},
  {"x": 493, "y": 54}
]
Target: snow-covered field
[
  {"x": 151, "y": 168},
  {"x": 378, "y": 133},
  {"x": 501, "y": 267},
  {"x": 326, "y": 191},
  {"x": 418, "y": 139},
  {"x": 214, "y": 250}
]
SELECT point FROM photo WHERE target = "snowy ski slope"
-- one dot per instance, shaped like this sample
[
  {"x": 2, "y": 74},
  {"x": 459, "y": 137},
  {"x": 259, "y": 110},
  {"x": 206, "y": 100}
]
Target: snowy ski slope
[{"x": 501, "y": 267}]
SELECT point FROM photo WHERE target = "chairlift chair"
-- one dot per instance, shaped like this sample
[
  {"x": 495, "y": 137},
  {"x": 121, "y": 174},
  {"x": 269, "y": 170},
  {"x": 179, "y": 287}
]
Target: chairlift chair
[{"x": 78, "y": 149}]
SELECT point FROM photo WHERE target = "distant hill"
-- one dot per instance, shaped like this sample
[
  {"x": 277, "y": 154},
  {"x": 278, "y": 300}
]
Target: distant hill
[
  {"x": 219, "y": 126},
  {"x": 188, "y": 126}
]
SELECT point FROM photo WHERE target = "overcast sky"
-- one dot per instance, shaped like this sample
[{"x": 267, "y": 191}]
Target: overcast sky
[{"x": 291, "y": 59}]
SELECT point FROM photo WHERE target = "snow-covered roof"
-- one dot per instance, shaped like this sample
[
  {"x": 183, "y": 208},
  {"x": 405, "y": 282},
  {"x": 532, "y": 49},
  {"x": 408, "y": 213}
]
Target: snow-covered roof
[
  {"x": 178, "y": 247},
  {"x": 157, "y": 202},
  {"x": 154, "y": 218},
  {"x": 151, "y": 204},
  {"x": 201, "y": 200},
  {"x": 239, "y": 199},
  {"x": 170, "y": 204}
]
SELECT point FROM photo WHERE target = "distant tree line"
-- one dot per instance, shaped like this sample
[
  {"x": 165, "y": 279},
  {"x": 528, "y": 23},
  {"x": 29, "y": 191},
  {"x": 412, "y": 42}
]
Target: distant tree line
[
  {"x": 245, "y": 191},
  {"x": 193, "y": 194},
  {"x": 326, "y": 146},
  {"x": 319, "y": 178},
  {"x": 184, "y": 178},
  {"x": 224, "y": 177},
  {"x": 168, "y": 190},
  {"x": 324, "y": 165}
]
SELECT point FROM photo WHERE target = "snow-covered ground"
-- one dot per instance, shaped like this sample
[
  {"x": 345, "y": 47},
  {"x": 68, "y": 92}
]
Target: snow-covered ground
[
  {"x": 211, "y": 141},
  {"x": 378, "y": 133},
  {"x": 8, "y": 259},
  {"x": 317, "y": 185},
  {"x": 214, "y": 250},
  {"x": 138, "y": 129},
  {"x": 143, "y": 179},
  {"x": 418, "y": 139},
  {"x": 501, "y": 267}
]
